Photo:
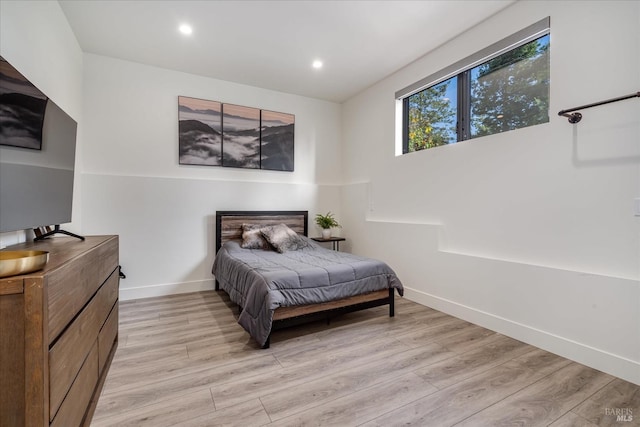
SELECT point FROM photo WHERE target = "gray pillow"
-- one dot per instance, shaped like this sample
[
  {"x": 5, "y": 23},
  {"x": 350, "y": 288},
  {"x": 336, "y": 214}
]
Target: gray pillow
[
  {"x": 283, "y": 239},
  {"x": 252, "y": 237}
]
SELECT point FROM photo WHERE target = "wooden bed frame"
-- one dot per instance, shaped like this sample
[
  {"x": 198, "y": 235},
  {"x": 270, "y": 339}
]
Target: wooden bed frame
[{"x": 229, "y": 227}]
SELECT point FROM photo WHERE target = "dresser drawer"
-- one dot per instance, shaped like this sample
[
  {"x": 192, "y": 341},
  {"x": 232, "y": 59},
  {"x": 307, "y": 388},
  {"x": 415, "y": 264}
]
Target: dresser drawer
[
  {"x": 69, "y": 352},
  {"x": 107, "y": 336},
  {"x": 72, "y": 285},
  {"x": 74, "y": 406}
]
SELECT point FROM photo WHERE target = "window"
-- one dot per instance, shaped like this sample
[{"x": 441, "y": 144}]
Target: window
[
  {"x": 431, "y": 116},
  {"x": 501, "y": 88}
]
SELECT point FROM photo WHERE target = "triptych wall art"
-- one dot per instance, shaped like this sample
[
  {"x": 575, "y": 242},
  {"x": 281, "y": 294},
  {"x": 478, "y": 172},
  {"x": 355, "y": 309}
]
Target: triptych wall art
[{"x": 215, "y": 134}]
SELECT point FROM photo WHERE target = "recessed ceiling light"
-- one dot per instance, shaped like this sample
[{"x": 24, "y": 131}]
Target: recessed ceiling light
[
  {"x": 317, "y": 64},
  {"x": 186, "y": 29}
]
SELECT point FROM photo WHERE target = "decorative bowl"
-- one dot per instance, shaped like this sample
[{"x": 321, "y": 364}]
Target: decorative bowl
[{"x": 13, "y": 263}]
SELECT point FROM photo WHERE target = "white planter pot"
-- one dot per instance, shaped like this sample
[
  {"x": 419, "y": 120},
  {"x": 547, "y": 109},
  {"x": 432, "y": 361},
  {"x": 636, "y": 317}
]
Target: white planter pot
[{"x": 326, "y": 233}]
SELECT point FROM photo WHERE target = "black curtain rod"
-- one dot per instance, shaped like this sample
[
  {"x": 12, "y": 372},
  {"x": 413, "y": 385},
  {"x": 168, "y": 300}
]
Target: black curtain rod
[{"x": 576, "y": 117}]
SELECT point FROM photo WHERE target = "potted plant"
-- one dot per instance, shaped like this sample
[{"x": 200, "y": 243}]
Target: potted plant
[{"x": 326, "y": 223}]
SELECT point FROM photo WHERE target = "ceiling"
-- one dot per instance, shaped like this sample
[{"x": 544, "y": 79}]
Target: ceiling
[{"x": 272, "y": 44}]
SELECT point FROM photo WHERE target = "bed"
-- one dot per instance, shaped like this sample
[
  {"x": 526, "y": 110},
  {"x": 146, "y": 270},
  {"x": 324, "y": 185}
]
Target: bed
[{"x": 304, "y": 283}]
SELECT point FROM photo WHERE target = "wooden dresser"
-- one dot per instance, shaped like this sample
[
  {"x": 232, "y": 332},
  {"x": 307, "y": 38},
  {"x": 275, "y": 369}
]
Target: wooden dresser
[{"x": 58, "y": 333}]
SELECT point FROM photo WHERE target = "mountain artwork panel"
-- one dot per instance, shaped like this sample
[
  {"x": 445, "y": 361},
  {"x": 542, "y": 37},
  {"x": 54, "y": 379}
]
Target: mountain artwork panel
[
  {"x": 199, "y": 131},
  {"x": 22, "y": 109},
  {"x": 277, "y": 141},
  {"x": 241, "y": 136}
]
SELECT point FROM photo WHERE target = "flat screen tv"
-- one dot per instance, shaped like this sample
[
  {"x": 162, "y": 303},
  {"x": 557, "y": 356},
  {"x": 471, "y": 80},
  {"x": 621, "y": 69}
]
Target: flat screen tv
[{"x": 37, "y": 156}]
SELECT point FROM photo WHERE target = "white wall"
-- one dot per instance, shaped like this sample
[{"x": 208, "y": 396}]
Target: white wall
[
  {"x": 164, "y": 212},
  {"x": 37, "y": 40},
  {"x": 531, "y": 232}
]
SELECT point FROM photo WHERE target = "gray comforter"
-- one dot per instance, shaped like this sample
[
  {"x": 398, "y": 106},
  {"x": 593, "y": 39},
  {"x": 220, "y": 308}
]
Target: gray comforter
[{"x": 261, "y": 281}]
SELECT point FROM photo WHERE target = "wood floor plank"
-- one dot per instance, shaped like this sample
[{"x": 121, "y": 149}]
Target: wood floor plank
[
  {"x": 164, "y": 368},
  {"x": 363, "y": 404},
  {"x": 469, "y": 338},
  {"x": 301, "y": 354},
  {"x": 122, "y": 340},
  {"x": 162, "y": 332},
  {"x": 169, "y": 310},
  {"x": 544, "y": 402},
  {"x": 128, "y": 355},
  {"x": 409, "y": 308},
  {"x": 617, "y": 398},
  {"x": 246, "y": 414},
  {"x": 220, "y": 349},
  {"x": 185, "y": 336},
  {"x": 279, "y": 382},
  {"x": 146, "y": 393},
  {"x": 166, "y": 310},
  {"x": 572, "y": 420},
  {"x": 461, "y": 400},
  {"x": 151, "y": 324},
  {"x": 440, "y": 329},
  {"x": 126, "y": 370},
  {"x": 328, "y": 387},
  {"x": 468, "y": 364},
  {"x": 187, "y": 406},
  {"x": 206, "y": 316}
]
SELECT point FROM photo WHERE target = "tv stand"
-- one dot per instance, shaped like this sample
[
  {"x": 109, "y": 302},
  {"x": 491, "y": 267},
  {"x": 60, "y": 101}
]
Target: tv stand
[{"x": 56, "y": 230}]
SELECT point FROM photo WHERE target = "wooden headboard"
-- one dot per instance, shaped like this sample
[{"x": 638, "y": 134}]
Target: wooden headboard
[{"x": 229, "y": 223}]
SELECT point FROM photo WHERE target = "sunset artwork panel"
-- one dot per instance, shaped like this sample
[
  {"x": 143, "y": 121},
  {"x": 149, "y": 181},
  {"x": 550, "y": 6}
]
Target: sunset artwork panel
[{"x": 199, "y": 132}]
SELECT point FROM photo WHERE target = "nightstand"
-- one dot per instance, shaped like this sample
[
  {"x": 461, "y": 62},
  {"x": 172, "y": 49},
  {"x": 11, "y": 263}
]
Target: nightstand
[{"x": 335, "y": 241}]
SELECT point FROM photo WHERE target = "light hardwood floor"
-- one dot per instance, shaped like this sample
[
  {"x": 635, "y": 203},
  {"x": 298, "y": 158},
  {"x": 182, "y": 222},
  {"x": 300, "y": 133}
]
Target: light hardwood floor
[{"x": 184, "y": 361}]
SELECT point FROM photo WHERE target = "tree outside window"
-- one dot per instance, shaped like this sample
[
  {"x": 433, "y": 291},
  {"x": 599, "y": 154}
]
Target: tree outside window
[
  {"x": 511, "y": 91},
  {"x": 432, "y": 116}
]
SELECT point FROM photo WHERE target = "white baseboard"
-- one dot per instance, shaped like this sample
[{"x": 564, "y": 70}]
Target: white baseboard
[
  {"x": 612, "y": 364},
  {"x": 166, "y": 289}
]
